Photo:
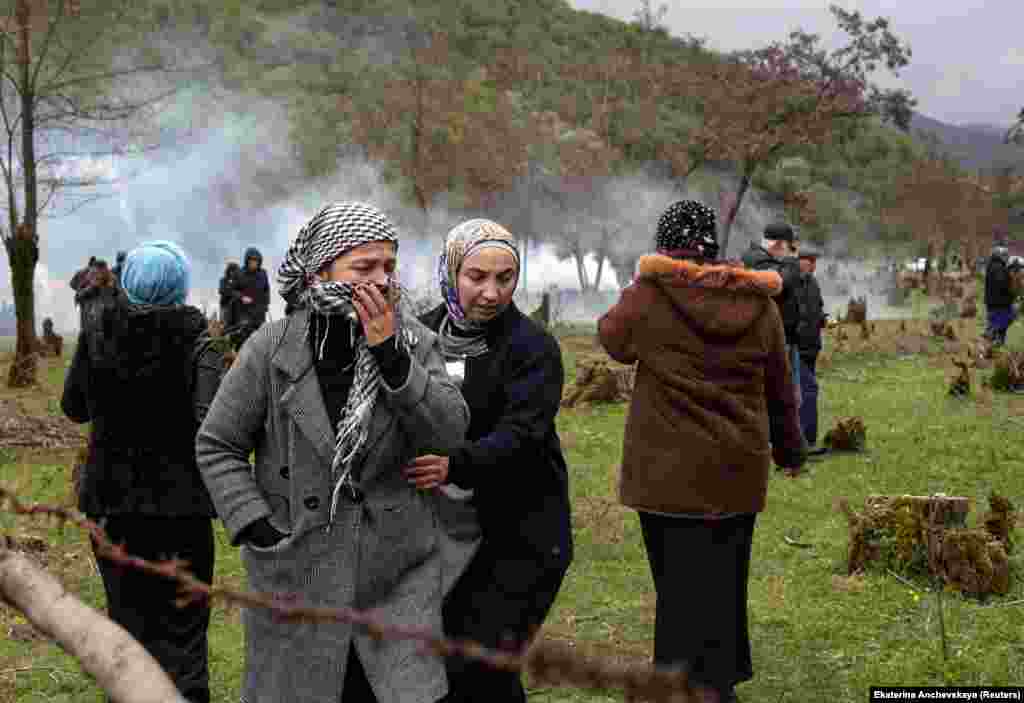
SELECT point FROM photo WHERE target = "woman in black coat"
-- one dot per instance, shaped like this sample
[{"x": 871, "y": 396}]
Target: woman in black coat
[
  {"x": 511, "y": 377},
  {"x": 144, "y": 374}
]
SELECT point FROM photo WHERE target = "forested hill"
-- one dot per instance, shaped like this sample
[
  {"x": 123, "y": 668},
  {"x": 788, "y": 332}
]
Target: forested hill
[
  {"x": 980, "y": 147},
  {"x": 329, "y": 59}
]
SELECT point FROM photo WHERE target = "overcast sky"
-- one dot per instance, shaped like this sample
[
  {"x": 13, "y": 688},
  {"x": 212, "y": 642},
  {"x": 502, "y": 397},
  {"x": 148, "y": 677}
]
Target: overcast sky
[{"x": 968, "y": 55}]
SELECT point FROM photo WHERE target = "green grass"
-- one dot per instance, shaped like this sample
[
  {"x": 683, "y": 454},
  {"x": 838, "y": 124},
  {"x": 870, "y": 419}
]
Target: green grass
[{"x": 816, "y": 636}]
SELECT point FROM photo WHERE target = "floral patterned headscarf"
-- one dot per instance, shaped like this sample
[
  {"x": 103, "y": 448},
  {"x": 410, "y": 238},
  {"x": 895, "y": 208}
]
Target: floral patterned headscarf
[{"x": 468, "y": 336}]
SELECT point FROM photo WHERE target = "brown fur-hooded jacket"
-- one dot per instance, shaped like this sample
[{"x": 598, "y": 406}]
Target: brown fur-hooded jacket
[{"x": 714, "y": 398}]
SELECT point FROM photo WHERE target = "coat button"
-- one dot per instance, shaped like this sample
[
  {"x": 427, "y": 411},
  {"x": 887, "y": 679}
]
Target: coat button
[
  {"x": 556, "y": 551},
  {"x": 312, "y": 502},
  {"x": 285, "y": 473}
]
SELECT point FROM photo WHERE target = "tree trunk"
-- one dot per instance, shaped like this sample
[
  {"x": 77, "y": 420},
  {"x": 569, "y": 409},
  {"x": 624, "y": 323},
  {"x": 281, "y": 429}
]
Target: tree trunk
[
  {"x": 23, "y": 244},
  {"x": 120, "y": 665},
  {"x": 23, "y": 253},
  {"x": 600, "y": 268},
  {"x": 581, "y": 269},
  {"x": 730, "y": 216}
]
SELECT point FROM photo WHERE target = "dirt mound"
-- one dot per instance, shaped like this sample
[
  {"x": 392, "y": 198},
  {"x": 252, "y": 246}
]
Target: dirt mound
[
  {"x": 19, "y": 429},
  {"x": 896, "y": 337}
]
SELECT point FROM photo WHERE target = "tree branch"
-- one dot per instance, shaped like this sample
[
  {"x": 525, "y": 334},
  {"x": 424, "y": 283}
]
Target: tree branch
[
  {"x": 51, "y": 26},
  {"x": 121, "y": 666},
  {"x": 87, "y": 49}
]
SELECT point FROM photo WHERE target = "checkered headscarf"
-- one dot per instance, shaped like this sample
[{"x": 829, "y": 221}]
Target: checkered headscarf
[
  {"x": 335, "y": 230},
  {"x": 687, "y": 228}
]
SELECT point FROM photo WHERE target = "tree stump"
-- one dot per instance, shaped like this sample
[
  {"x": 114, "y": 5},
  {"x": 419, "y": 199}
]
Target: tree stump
[
  {"x": 968, "y": 308},
  {"x": 1007, "y": 369},
  {"x": 542, "y": 315},
  {"x": 857, "y": 311},
  {"x": 929, "y": 533},
  {"x": 942, "y": 328},
  {"x": 598, "y": 382},
  {"x": 849, "y": 435},
  {"x": 961, "y": 385}
]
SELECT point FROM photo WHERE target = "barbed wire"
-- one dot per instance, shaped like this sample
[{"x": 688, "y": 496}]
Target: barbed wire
[{"x": 547, "y": 662}]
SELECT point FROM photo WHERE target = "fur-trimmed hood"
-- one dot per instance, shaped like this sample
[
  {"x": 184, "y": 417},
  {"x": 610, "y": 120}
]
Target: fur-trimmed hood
[{"x": 723, "y": 299}]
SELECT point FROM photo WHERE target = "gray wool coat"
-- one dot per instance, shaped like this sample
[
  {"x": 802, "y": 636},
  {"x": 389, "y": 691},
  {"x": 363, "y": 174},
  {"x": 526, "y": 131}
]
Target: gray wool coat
[{"x": 382, "y": 553}]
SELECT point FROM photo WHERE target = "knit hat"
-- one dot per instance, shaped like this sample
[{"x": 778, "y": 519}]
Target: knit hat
[
  {"x": 156, "y": 273},
  {"x": 687, "y": 228},
  {"x": 779, "y": 231}
]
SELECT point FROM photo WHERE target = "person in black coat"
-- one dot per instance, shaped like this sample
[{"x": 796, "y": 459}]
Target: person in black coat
[
  {"x": 812, "y": 322},
  {"x": 119, "y": 264},
  {"x": 998, "y": 294},
  {"x": 144, "y": 374},
  {"x": 229, "y": 295},
  {"x": 80, "y": 279},
  {"x": 511, "y": 376},
  {"x": 253, "y": 288},
  {"x": 777, "y": 252}
]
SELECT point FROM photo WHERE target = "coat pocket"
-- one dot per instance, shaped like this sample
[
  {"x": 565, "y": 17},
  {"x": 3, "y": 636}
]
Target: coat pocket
[
  {"x": 281, "y": 546},
  {"x": 400, "y": 519}
]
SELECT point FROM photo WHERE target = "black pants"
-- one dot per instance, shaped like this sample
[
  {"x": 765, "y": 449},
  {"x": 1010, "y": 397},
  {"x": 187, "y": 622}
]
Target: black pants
[
  {"x": 700, "y": 570},
  {"x": 143, "y": 604},
  {"x": 809, "y": 399},
  {"x": 501, "y": 599}
]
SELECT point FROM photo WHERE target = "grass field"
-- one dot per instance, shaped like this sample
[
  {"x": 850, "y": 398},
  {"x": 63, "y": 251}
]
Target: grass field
[{"x": 817, "y": 636}]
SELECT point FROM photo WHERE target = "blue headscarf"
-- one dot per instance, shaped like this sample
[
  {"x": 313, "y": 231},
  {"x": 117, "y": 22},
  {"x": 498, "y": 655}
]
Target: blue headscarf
[{"x": 156, "y": 273}]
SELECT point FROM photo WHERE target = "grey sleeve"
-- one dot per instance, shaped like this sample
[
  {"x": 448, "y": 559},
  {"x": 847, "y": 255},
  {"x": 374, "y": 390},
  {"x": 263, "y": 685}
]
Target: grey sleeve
[
  {"x": 209, "y": 368},
  {"x": 228, "y": 436},
  {"x": 429, "y": 404}
]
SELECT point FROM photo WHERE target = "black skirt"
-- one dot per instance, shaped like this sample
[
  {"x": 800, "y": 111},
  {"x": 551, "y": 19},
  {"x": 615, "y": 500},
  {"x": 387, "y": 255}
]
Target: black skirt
[{"x": 701, "y": 569}]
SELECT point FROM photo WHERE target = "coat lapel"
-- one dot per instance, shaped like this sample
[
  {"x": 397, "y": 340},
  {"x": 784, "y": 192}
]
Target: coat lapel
[{"x": 302, "y": 398}]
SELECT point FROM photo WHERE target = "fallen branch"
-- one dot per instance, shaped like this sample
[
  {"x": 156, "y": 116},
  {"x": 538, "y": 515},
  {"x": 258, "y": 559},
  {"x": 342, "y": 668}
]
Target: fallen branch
[
  {"x": 547, "y": 662},
  {"x": 120, "y": 665}
]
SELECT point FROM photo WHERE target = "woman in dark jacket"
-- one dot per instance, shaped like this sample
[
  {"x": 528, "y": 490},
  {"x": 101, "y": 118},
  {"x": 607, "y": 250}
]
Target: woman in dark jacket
[
  {"x": 141, "y": 474},
  {"x": 712, "y": 402},
  {"x": 511, "y": 377}
]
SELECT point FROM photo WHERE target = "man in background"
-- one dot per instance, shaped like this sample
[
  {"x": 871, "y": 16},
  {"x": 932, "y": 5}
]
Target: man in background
[
  {"x": 812, "y": 322},
  {"x": 778, "y": 252},
  {"x": 998, "y": 293},
  {"x": 78, "y": 281},
  {"x": 119, "y": 265}
]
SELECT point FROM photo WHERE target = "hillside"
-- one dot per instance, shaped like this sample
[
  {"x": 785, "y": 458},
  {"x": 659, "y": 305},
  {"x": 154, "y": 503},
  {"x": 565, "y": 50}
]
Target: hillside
[
  {"x": 314, "y": 54},
  {"x": 977, "y": 147}
]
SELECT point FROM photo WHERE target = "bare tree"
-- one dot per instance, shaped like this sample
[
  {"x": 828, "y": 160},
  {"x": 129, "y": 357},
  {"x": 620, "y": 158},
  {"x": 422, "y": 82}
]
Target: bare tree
[
  {"x": 791, "y": 94},
  {"x": 72, "y": 81}
]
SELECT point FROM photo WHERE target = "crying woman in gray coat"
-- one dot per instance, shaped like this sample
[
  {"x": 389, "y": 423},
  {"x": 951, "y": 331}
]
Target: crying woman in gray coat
[{"x": 335, "y": 399}]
